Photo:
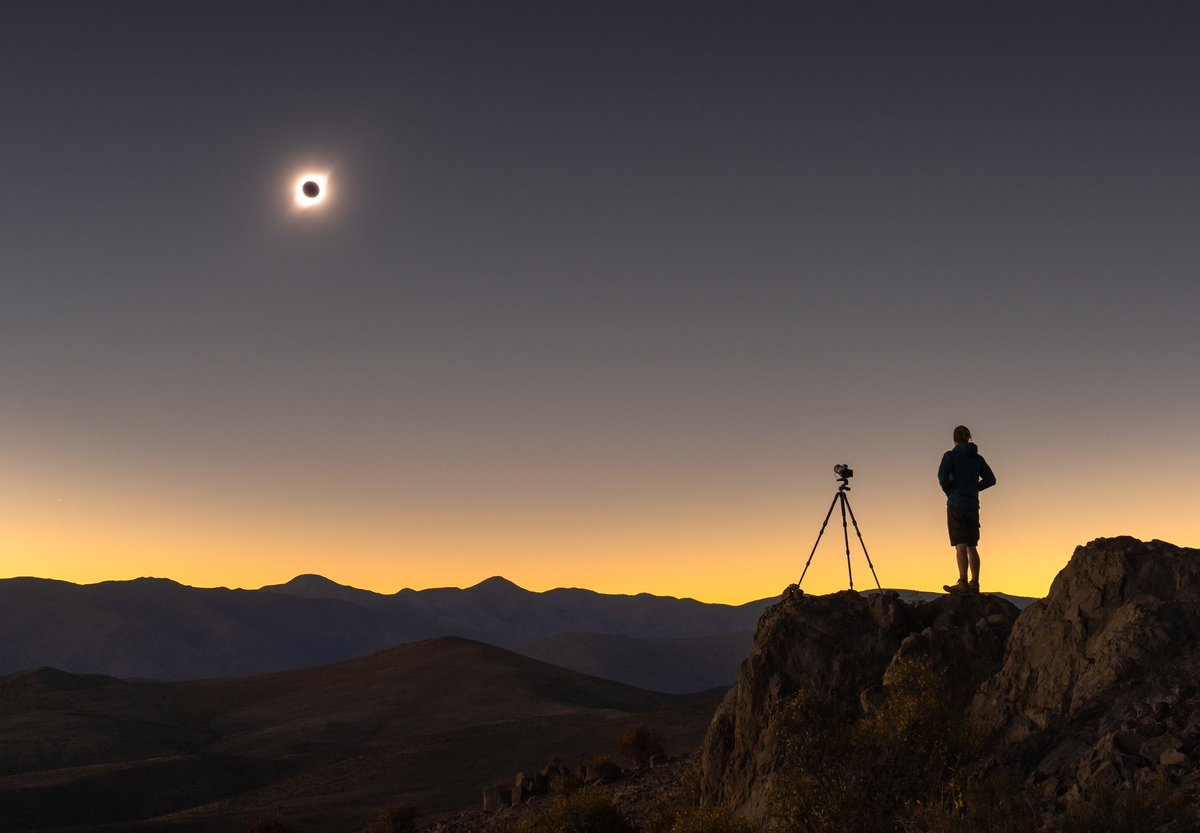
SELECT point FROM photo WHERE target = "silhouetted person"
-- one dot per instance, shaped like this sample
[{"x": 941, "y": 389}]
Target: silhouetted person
[{"x": 962, "y": 475}]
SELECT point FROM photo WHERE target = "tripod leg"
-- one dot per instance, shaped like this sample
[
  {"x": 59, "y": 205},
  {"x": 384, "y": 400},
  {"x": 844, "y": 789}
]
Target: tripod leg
[
  {"x": 861, "y": 544},
  {"x": 846, "y": 538},
  {"x": 819, "y": 534}
]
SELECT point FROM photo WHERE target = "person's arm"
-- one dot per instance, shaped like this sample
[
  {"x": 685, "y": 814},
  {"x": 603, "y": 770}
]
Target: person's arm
[
  {"x": 986, "y": 479},
  {"x": 944, "y": 472}
]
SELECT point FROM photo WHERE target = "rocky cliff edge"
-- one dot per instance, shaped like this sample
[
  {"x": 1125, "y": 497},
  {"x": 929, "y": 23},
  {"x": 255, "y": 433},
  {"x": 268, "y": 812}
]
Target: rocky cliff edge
[{"x": 1099, "y": 681}]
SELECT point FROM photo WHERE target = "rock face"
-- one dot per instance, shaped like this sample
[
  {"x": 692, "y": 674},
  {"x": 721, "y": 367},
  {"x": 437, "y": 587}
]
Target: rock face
[
  {"x": 1122, "y": 612},
  {"x": 1101, "y": 679},
  {"x": 1097, "y": 683},
  {"x": 843, "y": 644}
]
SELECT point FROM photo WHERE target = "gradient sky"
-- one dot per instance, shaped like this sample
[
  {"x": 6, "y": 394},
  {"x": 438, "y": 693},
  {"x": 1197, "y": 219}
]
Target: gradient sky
[{"x": 601, "y": 291}]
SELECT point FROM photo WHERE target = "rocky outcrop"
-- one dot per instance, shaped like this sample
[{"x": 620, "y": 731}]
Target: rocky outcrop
[
  {"x": 843, "y": 644},
  {"x": 1101, "y": 680},
  {"x": 1099, "y": 683},
  {"x": 1121, "y": 613}
]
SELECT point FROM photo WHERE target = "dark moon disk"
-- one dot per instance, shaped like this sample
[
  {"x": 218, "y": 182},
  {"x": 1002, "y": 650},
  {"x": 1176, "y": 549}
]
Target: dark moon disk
[{"x": 310, "y": 189}]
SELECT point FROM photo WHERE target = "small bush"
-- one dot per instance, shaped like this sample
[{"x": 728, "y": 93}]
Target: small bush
[
  {"x": 843, "y": 773},
  {"x": 674, "y": 800},
  {"x": 1151, "y": 807},
  {"x": 399, "y": 818},
  {"x": 582, "y": 812},
  {"x": 564, "y": 782},
  {"x": 639, "y": 744},
  {"x": 996, "y": 802},
  {"x": 660, "y": 818}
]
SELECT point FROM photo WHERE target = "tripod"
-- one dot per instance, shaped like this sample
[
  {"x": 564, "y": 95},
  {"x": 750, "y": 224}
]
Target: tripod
[{"x": 840, "y": 496}]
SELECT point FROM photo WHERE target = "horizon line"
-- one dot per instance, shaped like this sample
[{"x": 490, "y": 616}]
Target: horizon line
[{"x": 492, "y": 578}]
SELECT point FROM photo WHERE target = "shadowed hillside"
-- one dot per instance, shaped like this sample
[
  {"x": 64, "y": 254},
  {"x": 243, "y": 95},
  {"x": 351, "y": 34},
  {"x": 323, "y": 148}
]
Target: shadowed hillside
[
  {"x": 432, "y": 722},
  {"x": 675, "y": 665}
]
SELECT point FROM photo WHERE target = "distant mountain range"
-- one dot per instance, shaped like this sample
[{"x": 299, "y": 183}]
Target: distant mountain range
[
  {"x": 158, "y": 629},
  {"x": 433, "y": 723}
]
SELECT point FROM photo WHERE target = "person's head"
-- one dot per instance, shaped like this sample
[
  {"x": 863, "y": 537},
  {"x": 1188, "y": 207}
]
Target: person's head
[{"x": 962, "y": 434}]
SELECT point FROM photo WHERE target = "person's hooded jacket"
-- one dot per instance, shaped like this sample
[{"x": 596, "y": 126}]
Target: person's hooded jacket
[{"x": 963, "y": 474}]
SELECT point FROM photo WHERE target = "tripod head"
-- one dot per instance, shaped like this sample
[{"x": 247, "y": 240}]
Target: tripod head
[{"x": 844, "y": 473}]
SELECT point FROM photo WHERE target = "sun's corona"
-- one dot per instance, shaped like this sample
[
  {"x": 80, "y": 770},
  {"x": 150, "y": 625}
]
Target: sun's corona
[{"x": 311, "y": 190}]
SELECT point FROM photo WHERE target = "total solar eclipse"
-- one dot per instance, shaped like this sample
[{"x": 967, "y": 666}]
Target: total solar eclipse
[{"x": 311, "y": 189}]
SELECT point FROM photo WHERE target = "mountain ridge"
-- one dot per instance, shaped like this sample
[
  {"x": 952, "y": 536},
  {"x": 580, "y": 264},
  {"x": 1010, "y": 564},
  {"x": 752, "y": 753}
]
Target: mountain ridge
[
  {"x": 160, "y": 629},
  {"x": 495, "y": 582}
]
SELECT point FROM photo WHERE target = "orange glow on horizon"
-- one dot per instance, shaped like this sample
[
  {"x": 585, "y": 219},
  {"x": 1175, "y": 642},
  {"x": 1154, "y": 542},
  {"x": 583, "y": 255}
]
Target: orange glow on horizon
[
  {"x": 714, "y": 544},
  {"x": 713, "y": 562}
]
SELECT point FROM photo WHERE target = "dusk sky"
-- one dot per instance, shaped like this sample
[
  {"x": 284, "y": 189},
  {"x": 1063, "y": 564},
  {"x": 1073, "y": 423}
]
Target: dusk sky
[{"x": 600, "y": 291}]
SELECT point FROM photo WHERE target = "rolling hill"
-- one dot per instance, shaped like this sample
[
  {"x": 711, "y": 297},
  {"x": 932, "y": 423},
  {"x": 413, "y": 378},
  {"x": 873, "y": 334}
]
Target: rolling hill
[
  {"x": 432, "y": 722},
  {"x": 673, "y": 665}
]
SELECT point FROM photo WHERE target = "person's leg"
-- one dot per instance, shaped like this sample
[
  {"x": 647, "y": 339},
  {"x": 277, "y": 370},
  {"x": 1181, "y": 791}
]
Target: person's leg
[
  {"x": 953, "y": 524},
  {"x": 973, "y": 551},
  {"x": 961, "y": 551},
  {"x": 973, "y": 556}
]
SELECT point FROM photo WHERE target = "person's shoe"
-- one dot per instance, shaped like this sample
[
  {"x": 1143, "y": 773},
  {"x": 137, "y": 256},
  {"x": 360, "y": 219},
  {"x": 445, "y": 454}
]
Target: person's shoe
[
  {"x": 974, "y": 586},
  {"x": 959, "y": 588}
]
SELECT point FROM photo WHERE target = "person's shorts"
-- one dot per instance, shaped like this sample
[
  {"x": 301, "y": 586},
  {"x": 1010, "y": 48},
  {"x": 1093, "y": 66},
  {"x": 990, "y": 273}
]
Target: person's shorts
[{"x": 963, "y": 525}]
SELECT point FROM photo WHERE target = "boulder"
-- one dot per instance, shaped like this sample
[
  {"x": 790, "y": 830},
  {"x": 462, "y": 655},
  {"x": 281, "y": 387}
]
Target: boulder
[
  {"x": 601, "y": 771},
  {"x": 497, "y": 797},
  {"x": 520, "y": 788},
  {"x": 1113, "y": 652},
  {"x": 1120, "y": 615}
]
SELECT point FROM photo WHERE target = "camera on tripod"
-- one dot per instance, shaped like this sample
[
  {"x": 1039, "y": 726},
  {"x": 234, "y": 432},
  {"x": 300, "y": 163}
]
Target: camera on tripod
[{"x": 844, "y": 473}]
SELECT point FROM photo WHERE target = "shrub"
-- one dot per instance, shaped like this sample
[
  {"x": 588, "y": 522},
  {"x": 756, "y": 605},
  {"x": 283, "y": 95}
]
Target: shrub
[
  {"x": 850, "y": 774},
  {"x": 1150, "y": 807},
  {"x": 639, "y": 744},
  {"x": 673, "y": 800},
  {"x": 581, "y": 812},
  {"x": 995, "y": 802},
  {"x": 564, "y": 782},
  {"x": 399, "y": 818}
]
